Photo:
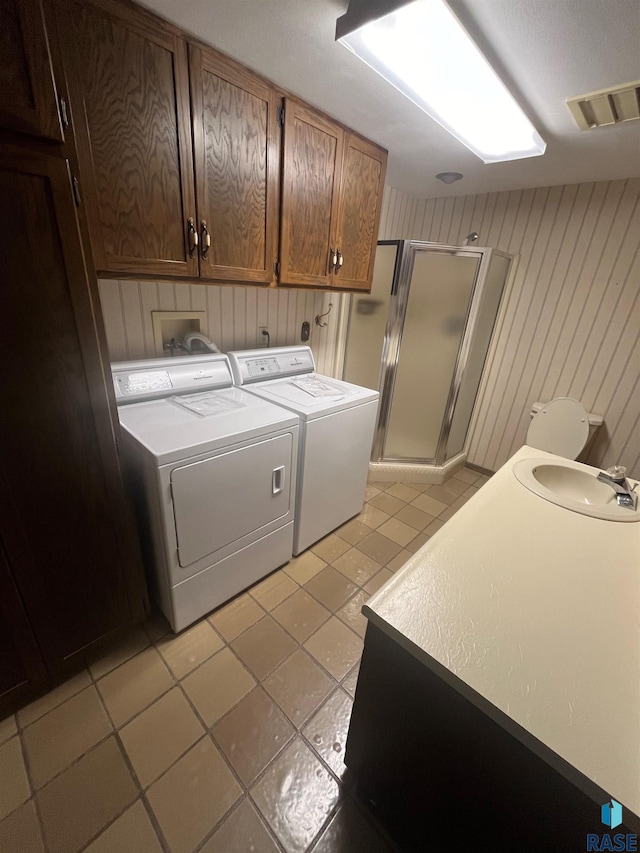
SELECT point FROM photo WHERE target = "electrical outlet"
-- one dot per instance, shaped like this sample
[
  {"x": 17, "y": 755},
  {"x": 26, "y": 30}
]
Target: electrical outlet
[{"x": 263, "y": 336}]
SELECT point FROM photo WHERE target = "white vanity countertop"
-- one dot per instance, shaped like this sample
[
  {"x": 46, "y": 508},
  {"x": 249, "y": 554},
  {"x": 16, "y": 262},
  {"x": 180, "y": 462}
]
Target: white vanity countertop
[{"x": 537, "y": 610}]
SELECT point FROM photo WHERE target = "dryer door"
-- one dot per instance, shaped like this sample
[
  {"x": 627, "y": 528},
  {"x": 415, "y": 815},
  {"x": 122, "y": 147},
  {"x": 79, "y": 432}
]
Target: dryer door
[{"x": 224, "y": 498}]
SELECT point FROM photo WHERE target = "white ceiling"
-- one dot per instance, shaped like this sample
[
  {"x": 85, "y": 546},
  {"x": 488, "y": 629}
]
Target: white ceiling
[{"x": 545, "y": 51}]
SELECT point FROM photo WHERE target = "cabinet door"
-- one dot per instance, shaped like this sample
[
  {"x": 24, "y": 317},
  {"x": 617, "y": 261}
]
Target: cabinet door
[
  {"x": 62, "y": 508},
  {"x": 28, "y": 101},
  {"x": 361, "y": 188},
  {"x": 236, "y": 143},
  {"x": 20, "y": 662},
  {"x": 129, "y": 90},
  {"x": 311, "y": 171}
]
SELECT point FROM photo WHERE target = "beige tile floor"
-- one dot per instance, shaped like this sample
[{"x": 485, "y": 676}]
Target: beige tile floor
[{"x": 230, "y": 737}]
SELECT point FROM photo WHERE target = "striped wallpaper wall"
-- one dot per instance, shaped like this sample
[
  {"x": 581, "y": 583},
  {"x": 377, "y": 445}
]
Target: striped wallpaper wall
[
  {"x": 572, "y": 322},
  {"x": 571, "y": 325},
  {"x": 233, "y": 316}
]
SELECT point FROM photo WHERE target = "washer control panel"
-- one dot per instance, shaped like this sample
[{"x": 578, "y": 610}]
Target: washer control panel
[
  {"x": 263, "y": 367},
  {"x": 279, "y": 362}
]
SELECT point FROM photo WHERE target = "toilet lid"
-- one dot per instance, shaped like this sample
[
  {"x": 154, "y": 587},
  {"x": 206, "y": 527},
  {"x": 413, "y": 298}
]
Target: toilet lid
[{"x": 561, "y": 427}]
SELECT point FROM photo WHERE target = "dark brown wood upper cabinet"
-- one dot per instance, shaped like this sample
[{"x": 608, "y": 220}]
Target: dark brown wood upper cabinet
[
  {"x": 362, "y": 184},
  {"x": 28, "y": 98},
  {"x": 64, "y": 519},
  {"x": 332, "y": 187},
  {"x": 236, "y": 143},
  {"x": 312, "y": 156},
  {"x": 181, "y": 163},
  {"x": 130, "y": 94}
]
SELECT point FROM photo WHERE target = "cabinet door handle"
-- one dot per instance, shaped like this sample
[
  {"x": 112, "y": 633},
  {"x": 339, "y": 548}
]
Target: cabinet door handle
[
  {"x": 339, "y": 261},
  {"x": 64, "y": 116},
  {"x": 75, "y": 186},
  {"x": 333, "y": 259},
  {"x": 192, "y": 235},
  {"x": 277, "y": 480},
  {"x": 206, "y": 239}
]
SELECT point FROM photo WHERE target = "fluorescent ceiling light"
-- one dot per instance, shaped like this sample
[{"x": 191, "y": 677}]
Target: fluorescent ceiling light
[{"x": 424, "y": 52}]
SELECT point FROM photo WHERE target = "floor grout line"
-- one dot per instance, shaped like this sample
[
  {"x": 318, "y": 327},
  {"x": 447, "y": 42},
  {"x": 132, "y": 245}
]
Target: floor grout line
[{"x": 155, "y": 641}]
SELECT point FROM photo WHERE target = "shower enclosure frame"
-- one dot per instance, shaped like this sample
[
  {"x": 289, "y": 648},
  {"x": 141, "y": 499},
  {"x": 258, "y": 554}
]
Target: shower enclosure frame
[{"x": 407, "y": 249}]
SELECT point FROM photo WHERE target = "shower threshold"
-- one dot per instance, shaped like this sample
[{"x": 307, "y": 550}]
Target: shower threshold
[{"x": 412, "y": 472}]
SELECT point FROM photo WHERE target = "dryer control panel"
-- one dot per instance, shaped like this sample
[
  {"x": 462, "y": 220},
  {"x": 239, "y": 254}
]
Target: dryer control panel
[{"x": 150, "y": 379}]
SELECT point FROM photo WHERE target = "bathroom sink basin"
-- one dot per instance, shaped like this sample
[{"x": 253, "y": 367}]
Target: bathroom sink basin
[{"x": 572, "y": 486}]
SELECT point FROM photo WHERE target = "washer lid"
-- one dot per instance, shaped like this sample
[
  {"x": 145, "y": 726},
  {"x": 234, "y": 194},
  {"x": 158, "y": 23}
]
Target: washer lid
[
  {"x": 313, "y": 395},
  {"x": 560, "y": 427}
]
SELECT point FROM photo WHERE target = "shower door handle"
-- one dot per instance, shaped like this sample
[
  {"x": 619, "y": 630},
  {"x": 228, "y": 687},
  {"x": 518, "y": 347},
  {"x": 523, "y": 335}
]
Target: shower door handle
[{"x": 277, "y": 480}]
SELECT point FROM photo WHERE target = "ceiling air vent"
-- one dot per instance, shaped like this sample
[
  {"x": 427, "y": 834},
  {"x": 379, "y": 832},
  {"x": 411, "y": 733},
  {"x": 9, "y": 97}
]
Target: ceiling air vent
[{"x": 608, "y": 106}]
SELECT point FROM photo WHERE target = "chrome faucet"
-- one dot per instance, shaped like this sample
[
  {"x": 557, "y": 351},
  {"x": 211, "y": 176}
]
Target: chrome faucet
[{"x": 625, "y": 492}]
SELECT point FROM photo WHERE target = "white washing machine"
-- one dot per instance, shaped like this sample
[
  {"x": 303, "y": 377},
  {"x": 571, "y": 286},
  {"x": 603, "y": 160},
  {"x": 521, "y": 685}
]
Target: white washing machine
[
  {"x": 213, "y": 470},
  {"x": 337, "y": 421}
]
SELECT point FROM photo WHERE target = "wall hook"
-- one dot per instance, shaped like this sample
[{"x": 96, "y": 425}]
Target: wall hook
[{"x": 326, "y": 314}]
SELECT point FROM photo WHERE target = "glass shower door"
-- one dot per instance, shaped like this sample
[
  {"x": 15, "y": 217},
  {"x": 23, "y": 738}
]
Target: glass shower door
[
  {"x": 484, "y": 309},
  {"x": 422, "y": 336},
  {"x": 368, "y": 320},
  {"x": 434, "y": 307}
]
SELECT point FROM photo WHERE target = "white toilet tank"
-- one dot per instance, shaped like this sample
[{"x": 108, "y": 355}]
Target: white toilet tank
[{"x": 563, "y": 426}]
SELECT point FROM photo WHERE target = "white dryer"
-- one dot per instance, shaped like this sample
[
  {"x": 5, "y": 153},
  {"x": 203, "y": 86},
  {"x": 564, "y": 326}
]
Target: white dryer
[
  {"x": 337, "y": 421},
  {"x": 213, "y": 471}
]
